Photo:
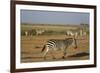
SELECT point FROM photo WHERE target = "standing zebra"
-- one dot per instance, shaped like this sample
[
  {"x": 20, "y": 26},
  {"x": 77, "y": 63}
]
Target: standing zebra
[{"x": 58, "y": 44}]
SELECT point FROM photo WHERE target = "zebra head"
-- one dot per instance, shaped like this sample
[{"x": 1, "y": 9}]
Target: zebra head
[{"x": 72, "y": 41}]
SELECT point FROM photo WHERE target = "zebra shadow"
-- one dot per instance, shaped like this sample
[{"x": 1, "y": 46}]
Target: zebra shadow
[{"x": 82, "y": 54}]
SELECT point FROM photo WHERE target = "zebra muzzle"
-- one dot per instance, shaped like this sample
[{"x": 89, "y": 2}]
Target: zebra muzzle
[{"x": 75, "y": 47}]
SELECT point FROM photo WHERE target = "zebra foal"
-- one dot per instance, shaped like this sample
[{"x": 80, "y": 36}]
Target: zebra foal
[{"x": 58, "y": 44}]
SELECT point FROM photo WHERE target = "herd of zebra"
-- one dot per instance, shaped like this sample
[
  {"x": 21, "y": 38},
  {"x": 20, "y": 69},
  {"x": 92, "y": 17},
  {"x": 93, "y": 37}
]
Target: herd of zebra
[
  {"x": 30, "y": 33},
  {"x": 68, "y": 33},
  {"x": 59, "y": 44}
]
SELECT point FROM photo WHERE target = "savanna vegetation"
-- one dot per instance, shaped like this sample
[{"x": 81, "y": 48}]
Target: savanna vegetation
[{"x": 34, "y": 36}]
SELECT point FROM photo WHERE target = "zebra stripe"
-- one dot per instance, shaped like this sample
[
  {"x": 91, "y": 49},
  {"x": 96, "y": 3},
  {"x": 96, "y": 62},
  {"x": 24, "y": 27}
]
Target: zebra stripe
[
  {"x": 51, "y": 44},
  {"x": 59, "y": 44}
]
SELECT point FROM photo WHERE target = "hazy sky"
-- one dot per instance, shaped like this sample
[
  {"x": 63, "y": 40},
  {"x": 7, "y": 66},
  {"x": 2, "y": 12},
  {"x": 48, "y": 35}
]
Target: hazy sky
[{"x": 53, "y": 17}]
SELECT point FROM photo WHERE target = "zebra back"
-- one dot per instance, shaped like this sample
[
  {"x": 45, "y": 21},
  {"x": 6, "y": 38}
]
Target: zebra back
[{"x": 58, "y": 44}]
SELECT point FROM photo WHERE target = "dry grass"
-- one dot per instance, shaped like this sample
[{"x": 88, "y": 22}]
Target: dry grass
[{"x": 31, "y": 47}]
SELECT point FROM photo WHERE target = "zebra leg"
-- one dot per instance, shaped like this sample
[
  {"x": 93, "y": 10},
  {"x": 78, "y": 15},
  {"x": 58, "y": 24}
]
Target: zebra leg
[
  {"x": 45, "y": 53},
  {"x": 64, "y": 54}
]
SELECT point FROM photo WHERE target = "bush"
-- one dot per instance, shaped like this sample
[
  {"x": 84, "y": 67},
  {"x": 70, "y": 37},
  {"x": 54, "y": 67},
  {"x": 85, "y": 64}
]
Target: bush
[
  {"x": 33, "y": 32},
  {"x": 50, "y": 32},
  {"x": 30, "y": 32},
  {"x": 22, "y": 33}
]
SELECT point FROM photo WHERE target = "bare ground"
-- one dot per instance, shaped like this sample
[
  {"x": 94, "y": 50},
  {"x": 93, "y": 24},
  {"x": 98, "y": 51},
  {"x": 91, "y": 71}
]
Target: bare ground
[{"x": 31, "y": 47}]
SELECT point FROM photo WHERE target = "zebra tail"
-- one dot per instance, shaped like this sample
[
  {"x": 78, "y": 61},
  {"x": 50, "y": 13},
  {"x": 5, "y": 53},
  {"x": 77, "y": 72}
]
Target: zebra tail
[{"x": 43, "y": 48}]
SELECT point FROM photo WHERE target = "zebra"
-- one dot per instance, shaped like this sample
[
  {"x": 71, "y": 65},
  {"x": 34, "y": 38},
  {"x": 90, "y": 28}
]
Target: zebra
[
  {"x": 26, "y": 33},
  {"x": 58, "y": 44},
  {"x": 69, "y": 33},
  {"x": 72, "y": 34},
  {"x": 39, "y": 32}
]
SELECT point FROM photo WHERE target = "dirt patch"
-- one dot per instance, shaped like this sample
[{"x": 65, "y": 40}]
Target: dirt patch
[{"x": 31, "y": 48}]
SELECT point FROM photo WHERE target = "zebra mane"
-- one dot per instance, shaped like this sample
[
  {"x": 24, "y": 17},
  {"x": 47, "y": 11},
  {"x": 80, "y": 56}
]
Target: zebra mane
[{"x": 68, "y": 38}]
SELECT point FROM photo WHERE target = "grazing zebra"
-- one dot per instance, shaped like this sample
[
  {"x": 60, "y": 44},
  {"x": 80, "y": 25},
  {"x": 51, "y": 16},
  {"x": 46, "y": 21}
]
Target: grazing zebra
[
  {"x": 39, "y": 32},
  {"x": 26, "y": 33},
  {"x": 58, "y": 44},
  {"x": 71, "y": 33}
]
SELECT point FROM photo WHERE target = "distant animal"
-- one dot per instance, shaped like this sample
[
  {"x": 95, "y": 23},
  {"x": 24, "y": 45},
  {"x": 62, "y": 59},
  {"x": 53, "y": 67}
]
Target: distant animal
[
  {"x": 58, "y": 44},
  {"x": 71, "y": 33},
  {"x": 39, "y": 32},
  {"x": 26, "y": 33}
]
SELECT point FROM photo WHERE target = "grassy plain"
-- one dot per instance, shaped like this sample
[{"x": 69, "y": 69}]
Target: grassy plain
[{"x": 31, "y": 46}]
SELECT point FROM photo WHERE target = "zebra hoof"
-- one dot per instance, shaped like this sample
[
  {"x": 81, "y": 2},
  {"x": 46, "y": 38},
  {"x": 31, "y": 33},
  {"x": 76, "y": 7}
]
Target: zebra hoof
[
  {"x": 53, "y": 58},
  {"x": 63, "y": 57}
]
